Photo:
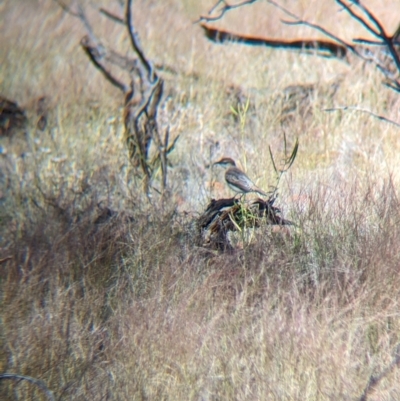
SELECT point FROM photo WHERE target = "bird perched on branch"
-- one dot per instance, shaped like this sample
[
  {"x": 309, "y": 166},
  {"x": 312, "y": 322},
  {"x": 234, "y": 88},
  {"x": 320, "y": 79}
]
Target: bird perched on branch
[{"x": 236, "y": 179}]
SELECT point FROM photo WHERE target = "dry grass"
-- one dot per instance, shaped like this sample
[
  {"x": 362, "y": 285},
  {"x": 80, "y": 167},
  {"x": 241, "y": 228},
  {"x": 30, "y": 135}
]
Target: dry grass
[{"x": 131, "y": 308}]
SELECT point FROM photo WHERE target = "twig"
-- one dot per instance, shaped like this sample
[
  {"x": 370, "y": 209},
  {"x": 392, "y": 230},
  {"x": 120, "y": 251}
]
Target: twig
[
  {"x": 393, "y": 84},
  {"x": 357, "y": 17},
  {"x": 164, "y": 157},
  {"x": 381, "y": 34},
  {"x": 287, "y": 163},
  {"x": 141, "y": 144},
  {"x": 135, "y": 43},
  {"x": 375, "y": 27},
  {"x": 171, "y": 147},
  {"x": 379, "y": 117},
  {"x": 299, "y": 21},
  {"x": 41, "y": 384},
  {"x": 225, "y": 8},
  {"x": 373, "y": 42},
  {"x": 375, "y": 21},
  {"x": 82, "y": 16},
  {"x": 91, "y": 53},
  {"x": 146, "y": 99},
  {"x": 112, "y": 16},
  {"x": 374, "y": 380},
  {"x": 143, "y": 93},
  {"x": 125, "y": 63},
  {"x": 66, "y": 8}
]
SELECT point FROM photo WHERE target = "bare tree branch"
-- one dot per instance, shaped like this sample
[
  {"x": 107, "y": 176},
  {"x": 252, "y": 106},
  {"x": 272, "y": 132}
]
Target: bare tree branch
[
  {"x": 142, "y": 94},
  {"x": 225, "y": 8},
  {"x": 392, "y": 81},
  {"x": 362, "y": 14},
  {"x": 135, "y": 42},
  {"x": 377, "y": 24},
  {"x": 125, "y": 63},
  {"x": 172, "y": 146},
  {"x": 381, "y": 34},
  {"x": 393, "y": 85},
  {"x": 299, "y": 21},
  {"x": 357, "y": 17},
  {"x": 164, "y": 156},
  {"x": 374, "y": 42},
  {"x": 39, "y": 383},
  {"x": 379, "y": 117},
  {"x": 147, "y": 99},
  {"x": 141, "y": 140},
  {"x": 66, "y": 8},
  {"x": 375, "y": 380},
  {"x": 389, "y": 75},
  {"x": 94, "y": 56},
  {"x": 82, "y": 16},
  {"x": 5, "y": 259},
  {"x": 112, "y": 16}
]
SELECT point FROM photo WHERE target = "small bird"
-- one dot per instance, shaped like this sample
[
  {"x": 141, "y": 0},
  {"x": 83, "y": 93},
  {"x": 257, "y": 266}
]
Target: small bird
[{"x": 236, "y": 179}]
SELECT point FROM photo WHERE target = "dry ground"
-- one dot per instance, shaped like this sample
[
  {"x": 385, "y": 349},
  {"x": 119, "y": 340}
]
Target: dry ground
[{"x": 132, "y": 308}]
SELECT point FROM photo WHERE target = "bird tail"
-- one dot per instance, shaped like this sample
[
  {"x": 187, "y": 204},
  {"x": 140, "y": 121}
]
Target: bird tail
[{"x": 261, "y": 192}]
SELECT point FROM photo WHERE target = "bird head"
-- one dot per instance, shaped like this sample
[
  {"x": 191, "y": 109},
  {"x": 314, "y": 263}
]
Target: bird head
[{"x": 226, "y": 162}]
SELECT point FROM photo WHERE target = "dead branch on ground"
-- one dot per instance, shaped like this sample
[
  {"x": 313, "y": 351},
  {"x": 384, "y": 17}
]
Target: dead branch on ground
[
  {"x": 229, "y": 215},
  {"x": 324, "y": 48}
]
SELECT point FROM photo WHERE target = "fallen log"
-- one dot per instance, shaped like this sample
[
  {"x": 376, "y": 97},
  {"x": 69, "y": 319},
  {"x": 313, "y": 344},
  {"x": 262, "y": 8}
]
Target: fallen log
[{"x": 326, "y": 48}]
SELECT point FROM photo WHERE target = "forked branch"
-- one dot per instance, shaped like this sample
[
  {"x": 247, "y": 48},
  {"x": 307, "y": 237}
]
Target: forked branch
[
  {"x": 142, "y": 94},
  {"x": 379, "y": 32},
  {"x": 95, "y": 57}
]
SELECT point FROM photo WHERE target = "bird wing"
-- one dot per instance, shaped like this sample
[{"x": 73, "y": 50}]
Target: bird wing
[{"x": 238, "y": 178}]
